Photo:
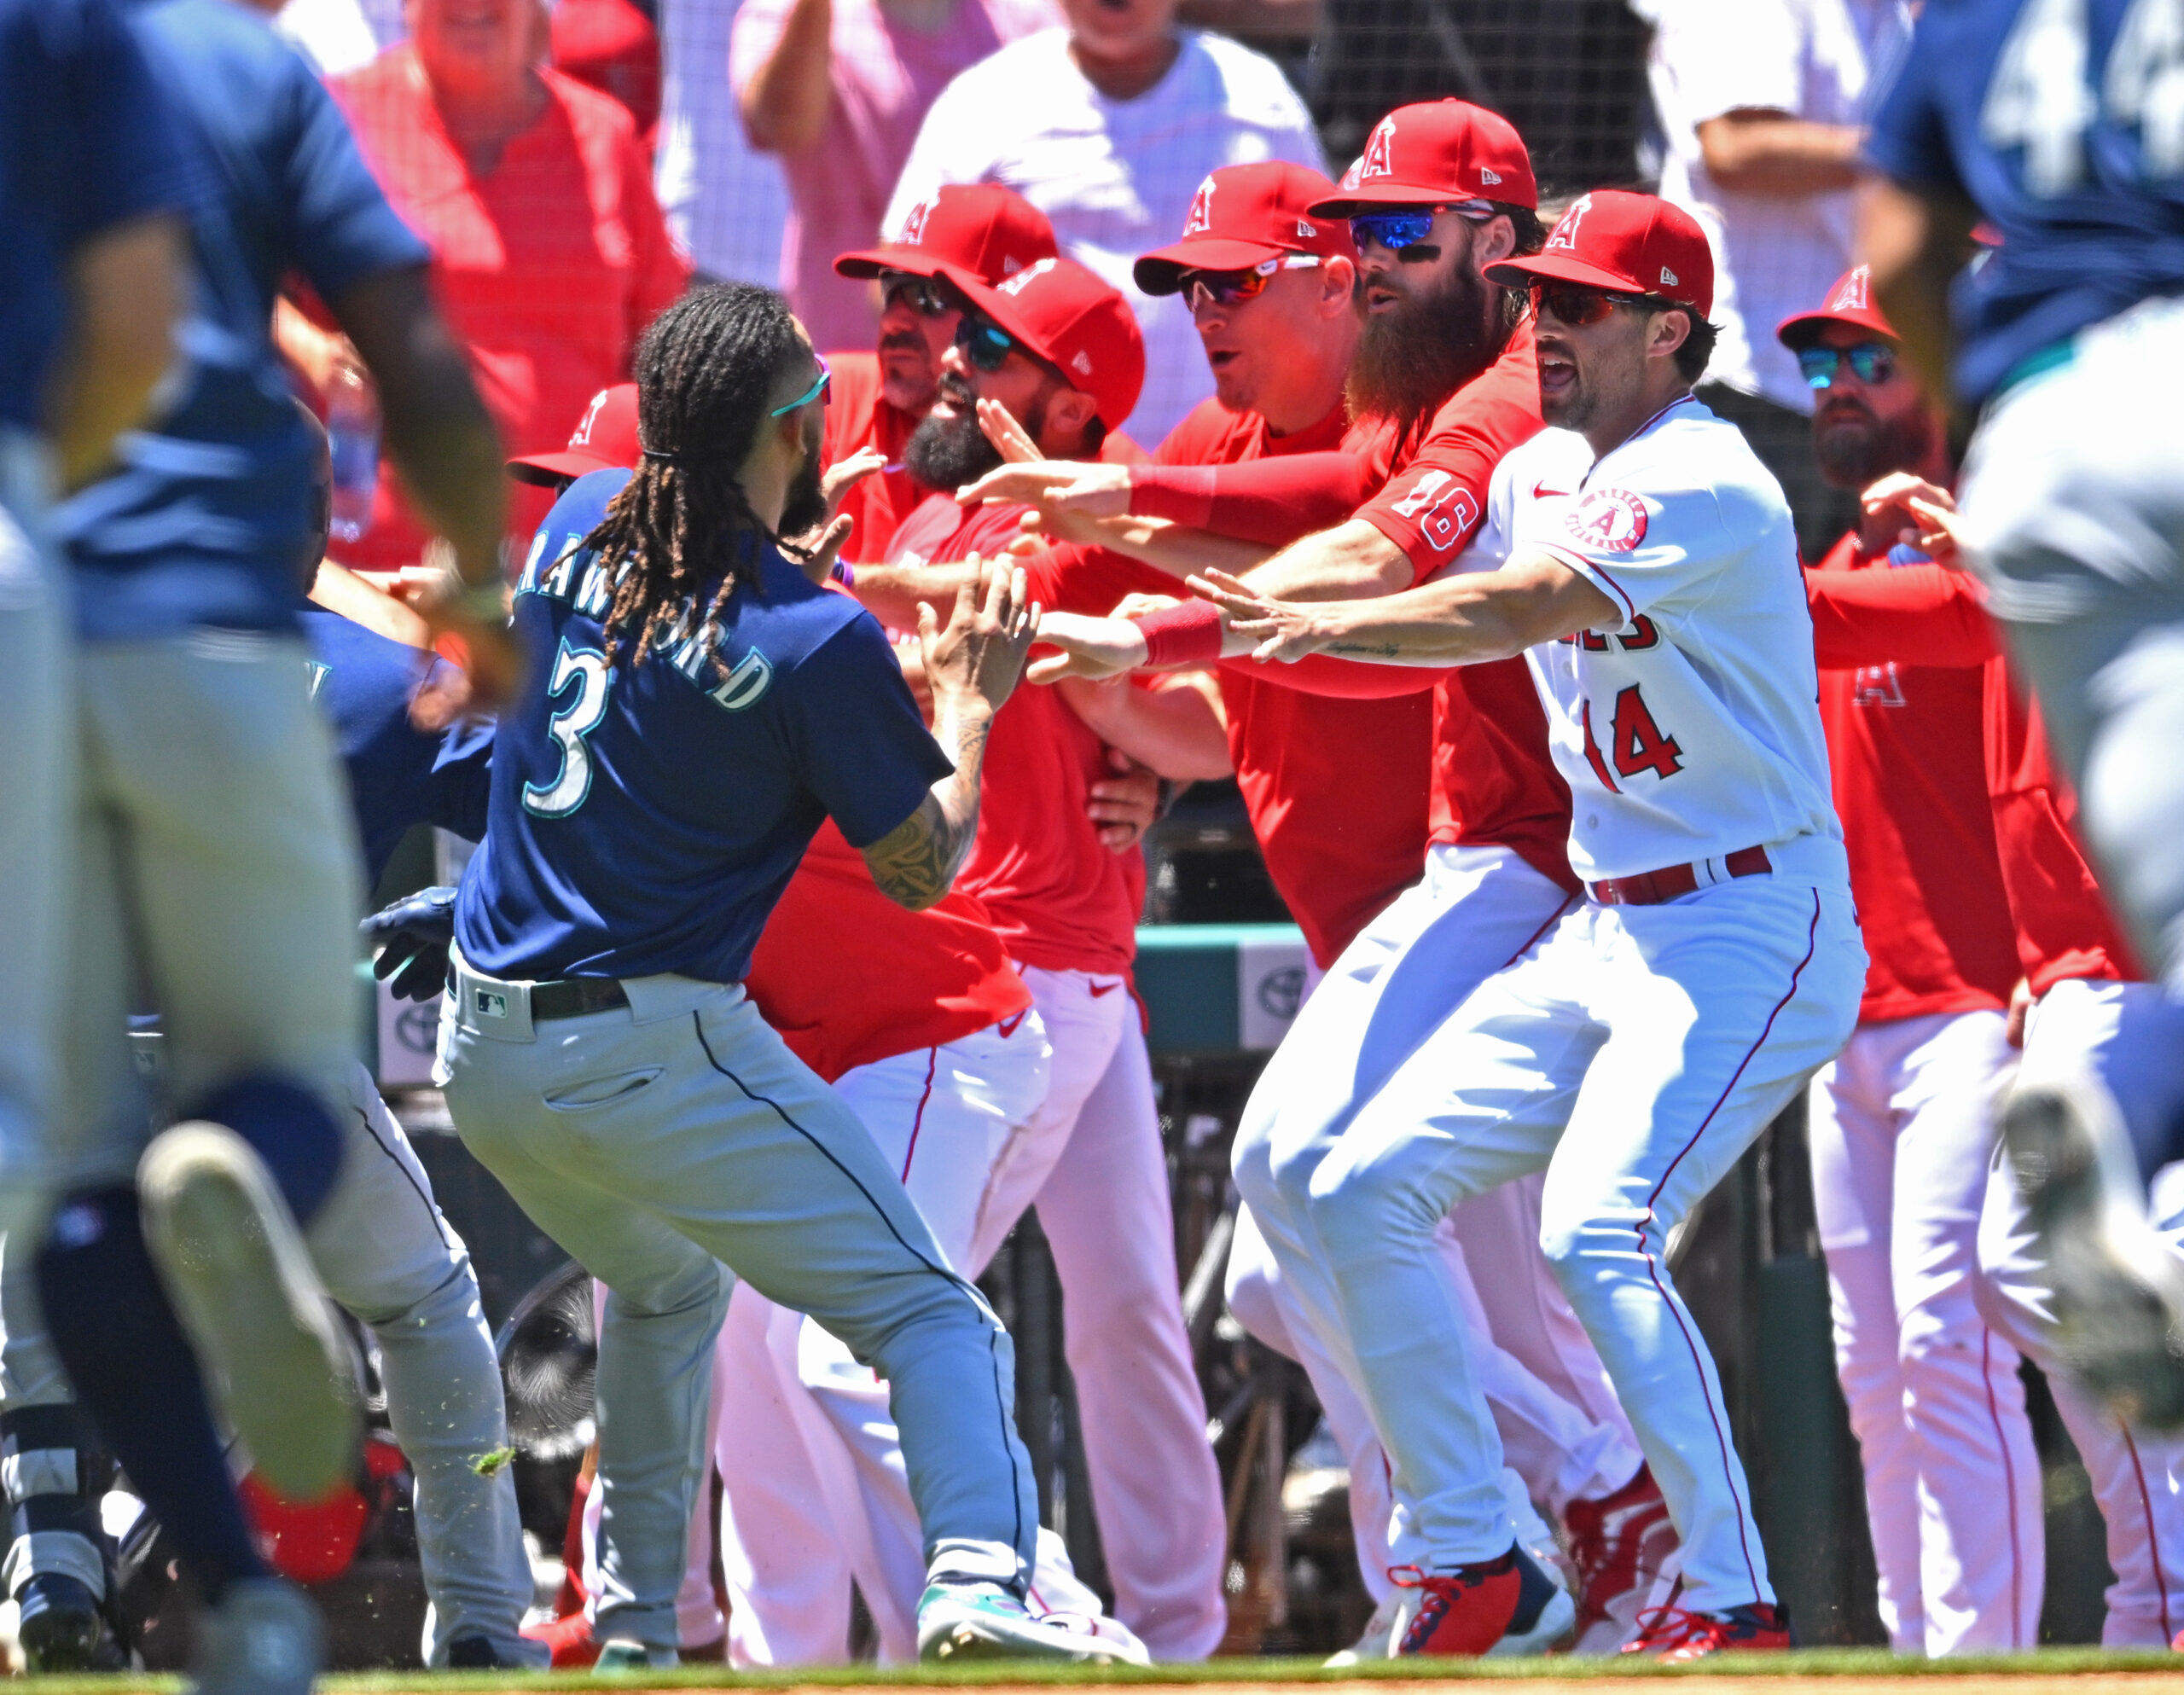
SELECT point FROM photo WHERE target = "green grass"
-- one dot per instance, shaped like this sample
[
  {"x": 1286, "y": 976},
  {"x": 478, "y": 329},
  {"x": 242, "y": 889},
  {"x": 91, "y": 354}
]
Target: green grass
[{"x": 1809, "y": 1662}]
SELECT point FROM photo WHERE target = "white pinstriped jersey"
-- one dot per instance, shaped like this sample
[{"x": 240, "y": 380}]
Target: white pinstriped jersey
[{"x": 1692, "y": 730}]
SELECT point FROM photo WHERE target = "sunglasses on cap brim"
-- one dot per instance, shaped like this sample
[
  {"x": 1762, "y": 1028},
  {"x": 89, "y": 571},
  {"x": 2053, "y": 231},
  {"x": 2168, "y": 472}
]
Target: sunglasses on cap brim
[
  {"x": 1227, "y": 287},
  {"x": 821, "y": 386},
  {"x": 1402, "y": 231},
  {"x": 1577, "y": 305},
  {"x": 927, "y": 296},
  {"x": 1872, "y": 362}
]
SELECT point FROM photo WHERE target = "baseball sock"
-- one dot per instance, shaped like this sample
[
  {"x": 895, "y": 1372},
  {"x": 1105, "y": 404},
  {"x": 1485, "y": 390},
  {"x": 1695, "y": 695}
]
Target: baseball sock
[
  {"x": 54, "y": 1475},
  {"x": 289, "y": 1128},
  {"x": 135, "y": 1374}
]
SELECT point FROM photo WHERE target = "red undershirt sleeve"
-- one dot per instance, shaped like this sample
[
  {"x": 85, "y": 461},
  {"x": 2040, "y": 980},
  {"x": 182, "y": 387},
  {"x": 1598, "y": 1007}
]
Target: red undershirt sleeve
[
  {"x": 1915, "y": 615},
  {"x": 1272, "y": 502}
]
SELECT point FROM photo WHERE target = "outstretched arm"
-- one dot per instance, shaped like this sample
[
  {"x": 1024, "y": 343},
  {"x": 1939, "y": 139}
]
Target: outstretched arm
[{"x": 972, "y": 666}]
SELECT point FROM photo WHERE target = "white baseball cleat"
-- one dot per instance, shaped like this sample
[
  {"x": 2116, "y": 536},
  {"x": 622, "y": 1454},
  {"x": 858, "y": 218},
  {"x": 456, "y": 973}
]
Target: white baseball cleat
[
  {"x": 984, "y": 1621},
  {"x": 265, "y": 1638},
  {"x": 1378, "y": 1640},
  {"x": 242, "y": 1284},
  {"x": 2118, "y": 1289}
]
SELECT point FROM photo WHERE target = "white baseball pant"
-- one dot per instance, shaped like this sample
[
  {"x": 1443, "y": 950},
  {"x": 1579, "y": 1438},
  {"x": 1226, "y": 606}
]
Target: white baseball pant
[
  {"x": 1903, "y": 1135},
  {"x": 661, "y": 1144},
  {"x": 1633, "y": 1053},
  {"x": 1090, "y": 1159},
  {"x": 389, "y": 1257},
  {"x": 2129, "y": 1036},
  {"x": 37, "y": 775}
]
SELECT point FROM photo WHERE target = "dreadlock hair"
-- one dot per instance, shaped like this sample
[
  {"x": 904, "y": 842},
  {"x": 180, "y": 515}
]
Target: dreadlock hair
[{"x": 705, "y": 369}]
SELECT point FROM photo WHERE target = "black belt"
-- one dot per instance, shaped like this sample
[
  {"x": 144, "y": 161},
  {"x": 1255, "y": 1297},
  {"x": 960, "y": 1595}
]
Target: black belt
[{"x": 574, "y": 997}]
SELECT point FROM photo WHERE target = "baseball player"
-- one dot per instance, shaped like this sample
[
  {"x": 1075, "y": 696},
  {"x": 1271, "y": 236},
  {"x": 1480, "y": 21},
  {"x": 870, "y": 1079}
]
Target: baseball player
[
  {"x": 920, "y": 1021},
  {"x": 1638, "y": 1044},
  {"x": 1058, "y": 348},
  {"x": 92, "y": 182},
  {"x": 602, "y": 1058},
  {"x": 215, "y": 869},
  {"x": 2078, "y": 1006},
  {"x": 1902, "y": 1125},
  {"x": 2051, "y": 124},
  {"x": 1331, "y": 787}
]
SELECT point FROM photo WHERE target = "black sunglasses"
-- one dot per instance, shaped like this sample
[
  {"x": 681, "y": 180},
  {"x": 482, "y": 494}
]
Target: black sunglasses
[
  {"x": 1579, "y": 307},
  {"x": 986, "y": 344},
  {"x": 927, "y": 296}
]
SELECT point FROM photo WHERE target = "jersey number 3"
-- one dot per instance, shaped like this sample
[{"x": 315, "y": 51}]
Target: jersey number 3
[
  {"x": 1636, "y": 740},
  {"x": 585, "y": 667}
]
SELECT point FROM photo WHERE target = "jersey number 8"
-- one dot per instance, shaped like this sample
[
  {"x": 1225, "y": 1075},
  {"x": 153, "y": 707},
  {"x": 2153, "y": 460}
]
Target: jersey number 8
[{"x": 585, "y": 667}]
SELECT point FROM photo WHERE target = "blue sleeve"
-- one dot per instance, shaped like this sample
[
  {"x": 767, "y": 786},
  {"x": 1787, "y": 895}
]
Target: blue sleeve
[
  {"x": 123, "y": 155},
  {"x": 462, "y": 779},
  {"x": 340, "y": 228},
  {"x": 863, "y": 744},
  {"x": 1908, "y": 140}
]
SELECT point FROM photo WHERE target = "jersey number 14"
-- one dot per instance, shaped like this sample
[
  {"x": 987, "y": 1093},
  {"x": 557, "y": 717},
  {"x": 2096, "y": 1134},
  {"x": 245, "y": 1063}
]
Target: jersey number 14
[{"x": 1635, "y": 740}]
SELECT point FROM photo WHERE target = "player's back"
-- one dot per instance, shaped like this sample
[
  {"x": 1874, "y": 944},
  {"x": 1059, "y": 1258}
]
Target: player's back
[
  {"x": 208, "y": 515},
  {"x": 646, "y": 813},
  {"x": 2059, "y": 123}
]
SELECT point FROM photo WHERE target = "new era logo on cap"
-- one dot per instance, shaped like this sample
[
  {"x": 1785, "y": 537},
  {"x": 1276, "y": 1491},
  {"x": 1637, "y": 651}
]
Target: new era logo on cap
[
  {"x": 1487, "y": 177},
  {"x": 1668, "y": 277},
  {"x": 1082, "y": 364}
]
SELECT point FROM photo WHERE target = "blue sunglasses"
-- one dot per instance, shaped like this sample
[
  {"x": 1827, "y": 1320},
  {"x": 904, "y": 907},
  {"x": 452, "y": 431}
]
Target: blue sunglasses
[
  {"x": 819, "y": 386},
  {"x": 1398, "y": 231},
  {"x": 1873, "y": 363}
]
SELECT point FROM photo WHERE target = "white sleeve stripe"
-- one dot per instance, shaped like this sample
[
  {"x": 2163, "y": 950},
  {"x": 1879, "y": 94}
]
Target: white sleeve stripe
[{"x": 1593, "y": 574}]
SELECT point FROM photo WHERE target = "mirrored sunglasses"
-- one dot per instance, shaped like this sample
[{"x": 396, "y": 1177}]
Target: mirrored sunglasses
[
  {"x": 1227, "y": 287},
  {"x": 1873, "y": 363},
  {"x": 985, "y": 344},
  {"x": 1408, "y": 228},
  {"x": 927, "y": 296}
]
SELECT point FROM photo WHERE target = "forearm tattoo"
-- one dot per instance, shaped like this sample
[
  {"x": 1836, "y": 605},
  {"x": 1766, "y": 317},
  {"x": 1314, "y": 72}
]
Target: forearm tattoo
[{"x": 915, "y": 863}]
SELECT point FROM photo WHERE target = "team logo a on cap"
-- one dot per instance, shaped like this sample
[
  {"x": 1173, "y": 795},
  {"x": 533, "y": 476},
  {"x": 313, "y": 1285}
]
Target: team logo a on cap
[
  {"x": 913, "y": 234},
  {"x": 1564, "y": 237},
  {"x": 1201, "y": 213},
  {"x": 581, "y": 436},
  {"x": 1378, "y": 149},
  {"x": 1855, "y": 292}
]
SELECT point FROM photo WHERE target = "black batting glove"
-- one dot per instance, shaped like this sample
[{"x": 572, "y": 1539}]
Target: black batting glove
[{"x": 412, "y": 936}]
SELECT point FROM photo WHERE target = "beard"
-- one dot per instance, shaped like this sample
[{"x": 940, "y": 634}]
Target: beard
[
  {"x": 1416, "y": 354},
  {"x": 1855, "y": 447},
  {"x": 806, "y": 506},
  {"x": 944, "y": 453}
]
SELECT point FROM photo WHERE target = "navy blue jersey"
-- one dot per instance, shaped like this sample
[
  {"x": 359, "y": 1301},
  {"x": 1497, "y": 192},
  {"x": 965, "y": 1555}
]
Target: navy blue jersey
[
  {"x": 86, "y": 142},
  {"x": 399, "y": 774},
  {"x": 208, "y": 518},
  {"x": 2059, "y": 120},
  {"x": 646, "y": 815}
]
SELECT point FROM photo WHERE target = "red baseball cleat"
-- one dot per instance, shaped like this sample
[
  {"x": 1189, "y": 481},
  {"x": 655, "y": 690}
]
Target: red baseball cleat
[
  {"x": 1619, "y": 1546},
  {"x": 574, "y": 1646},
  {"x": 1493, "y": 1606},
  {"x": 1673, "y": 1636}
]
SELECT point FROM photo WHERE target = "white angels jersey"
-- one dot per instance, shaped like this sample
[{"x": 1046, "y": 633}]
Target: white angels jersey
[{"x": 1691, "y": 730}]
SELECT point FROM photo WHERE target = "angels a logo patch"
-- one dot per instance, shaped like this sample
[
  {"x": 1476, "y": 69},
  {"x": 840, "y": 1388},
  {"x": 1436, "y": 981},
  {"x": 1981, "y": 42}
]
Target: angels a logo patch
[
  {"x": 1201, "y": 218},
  {"x": 1608, "y": 520},
  {"x": 1855, "y": 292},
  {"x": 1376, "y": 162},
  {"x": 913, "y": 226},
  {"x": 1565, "y": 228}
]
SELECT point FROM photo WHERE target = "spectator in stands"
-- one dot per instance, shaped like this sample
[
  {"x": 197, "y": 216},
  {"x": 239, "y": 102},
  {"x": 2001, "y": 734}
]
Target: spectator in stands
[
  {"x": 340, "y": 35},
  {"x": 1759, "y": 103},
  {"x": 612, "y": 46},
  {"x": 727, "y": 202},
  {"x": 549, "y": 255},
  {"x": 1108, "y": 127},
  {"x": 836, "y": 89}
]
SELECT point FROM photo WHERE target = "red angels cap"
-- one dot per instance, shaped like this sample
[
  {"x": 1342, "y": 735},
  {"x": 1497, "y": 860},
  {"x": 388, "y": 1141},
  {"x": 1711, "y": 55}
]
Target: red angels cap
[
  {"x": 1072, "y": 319},
  {"x": 991, "y": 231},
  {"x": 1851, "y": 301},
  {"x": 1633, "y": 244},
  {"x": 605, "y": 440},
  {"x": 1436, "y": 152},
  {"x": 1244, "y": 215}
]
